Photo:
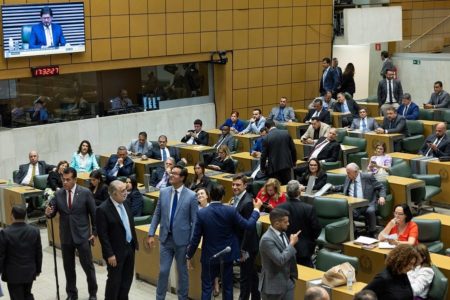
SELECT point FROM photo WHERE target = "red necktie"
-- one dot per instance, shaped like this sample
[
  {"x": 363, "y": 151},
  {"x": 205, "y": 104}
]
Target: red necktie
[{"x": 70, "y": 199}]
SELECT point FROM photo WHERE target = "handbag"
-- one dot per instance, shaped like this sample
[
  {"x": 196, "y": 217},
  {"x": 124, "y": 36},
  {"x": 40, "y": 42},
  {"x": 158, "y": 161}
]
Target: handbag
[{"x": 337, "y": 275}]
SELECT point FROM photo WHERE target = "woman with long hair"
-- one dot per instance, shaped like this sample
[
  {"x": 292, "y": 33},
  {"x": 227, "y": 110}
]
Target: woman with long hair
[
  {"x": 271, "y": 195},
  {"x": 348, "y": 80},
  {"x": 314, "y": 169},
  {"x": 54, "y": 179},
  {"x": 134, "y": 198},
  {"x": 200, "y": 179},
  {"x": 98, "y": 188},
  {"x": 422, "y": 275},
  {"x": 222, "y": 161},
  {"x": 84, "y": 159}
]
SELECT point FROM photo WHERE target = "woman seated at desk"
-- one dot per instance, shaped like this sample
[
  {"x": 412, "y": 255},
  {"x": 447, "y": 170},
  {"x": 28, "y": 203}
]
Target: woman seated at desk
[
  {"x": 401, "y": 225},
  {"x": 134, "y": 198},
  {"x": 422, "y": 275},
  {"x": 234, "y": 123},
  {"x": 222, "y": 161},
  {"x": 271, "y": 195},
  {"x": 54, "y": 179},
  {"x": 200, "y": 179},
  {"x": 98, "y": 188},
  {"x": 314, "y": 169},
  {"x": 84, "y": 159},
  {"x": 380, "y": 163}
]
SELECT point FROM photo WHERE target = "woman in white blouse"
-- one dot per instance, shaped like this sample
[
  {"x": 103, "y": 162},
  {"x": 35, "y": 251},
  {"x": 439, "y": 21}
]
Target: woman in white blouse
[
  {"x": 422, "y": 275},
  {"x": 84, "y": 159}
]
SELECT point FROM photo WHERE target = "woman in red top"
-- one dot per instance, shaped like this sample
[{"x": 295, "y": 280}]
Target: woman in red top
[
  {"x": 271, "y": 195},
  {"x": 401, "y": 224}
]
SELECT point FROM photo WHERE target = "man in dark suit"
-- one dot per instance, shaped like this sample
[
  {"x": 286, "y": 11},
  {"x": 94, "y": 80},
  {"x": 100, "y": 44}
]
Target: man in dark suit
[
  {"x": 163, "y": 152},
  {"x": 389, "y": 92},
  {"x": 243, "y": 203},
  {"x": 118, "y": 165},
  {"x": 338, "y": 70},
  {"x": 364, "y": 123},
  {"x": 327, "y": 149},
  {"x": 217, "y": 225},
  {"x": 302, "y": 218},
  {"x": 76, "y": 207},
  {"x": 364, "y": 185},
  {"x": 438, "y": 99},
  {"x": 387, "y": 63},
  {"x": 226, "y": 138},
  {"x": 408, "y": 109},
  {"x": 279, "y": 155},
  {"x": 115, "y": 228},
  {"x": 318, "y": 111},
  {"x": 437, "y": 144},
  {"x": 20, "y": 255},
  {"x": 393, "y": 123},
  {"x": 196, "y": 136},
  {"x": 160, "y": 175},
  {"x": 329, "y": 80},
  {"x": 345, "y": 104},
  {"x": 46, "y": 34}
]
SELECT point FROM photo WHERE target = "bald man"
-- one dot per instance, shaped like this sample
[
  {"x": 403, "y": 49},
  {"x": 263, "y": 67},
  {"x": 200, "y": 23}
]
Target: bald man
[
  {"x": 437, "y": 144},
  {"x": 316, "y": 293}
]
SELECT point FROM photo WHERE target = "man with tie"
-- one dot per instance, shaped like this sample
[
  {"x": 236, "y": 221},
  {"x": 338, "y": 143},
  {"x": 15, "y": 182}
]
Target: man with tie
[
  {"x": 163, "y": 152},
  {"x": 76, "y": 207},
  {"x": 115, "y": 228},
  {"x": 393, "y": 123},
  {"x": 329, "y": 80},
  {"x": 408, "y": 109},
  {"x": 255, "y": 123},
  {"x": 140, "y": 146},
  {"x": 319, "y": 112},
  {"x": 175, "y": 213},
  {"x": 438, "y": 99},
  {"x": 364, "y": 185},
  {"x": 160, "y": 176},
  {"x": 46, "y": 34},
  {"x": 279, "y": 268},
  {"x": 437, "y": 144},
  {"x": 118, "y": 165},
  {"x": 282, "y": 113},
  {"x": 364, "y": 123},
  {"x": 389, "y": 92},
  {"x": 345, "y": 104}
]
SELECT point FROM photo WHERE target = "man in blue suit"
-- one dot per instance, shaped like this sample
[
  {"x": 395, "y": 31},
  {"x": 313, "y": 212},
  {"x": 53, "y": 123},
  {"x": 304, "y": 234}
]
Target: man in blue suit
[
  {"x": 217, "y": 224},
  {"x": 408, "y": 109},
  {"x": 46, "y": 34},
  {"x": 329, "y": 80},
  {"x": 175, "y": 214},
  {"x": 118, "y": 165}
]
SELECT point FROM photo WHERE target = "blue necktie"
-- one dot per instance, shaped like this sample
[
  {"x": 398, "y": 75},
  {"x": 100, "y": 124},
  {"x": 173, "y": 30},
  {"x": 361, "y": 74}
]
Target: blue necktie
[
  {"x": 174, "y": 208},
  {"x": 364, "y": 126},
  {"x": 164, "y": 154},
  {"x": 280, "y": 116},
  {"x": 125, "y": 222}
]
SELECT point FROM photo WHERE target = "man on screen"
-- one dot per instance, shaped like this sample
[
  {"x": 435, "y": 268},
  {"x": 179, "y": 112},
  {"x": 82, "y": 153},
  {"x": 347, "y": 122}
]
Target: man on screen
[{"x": 46, "y": 34}]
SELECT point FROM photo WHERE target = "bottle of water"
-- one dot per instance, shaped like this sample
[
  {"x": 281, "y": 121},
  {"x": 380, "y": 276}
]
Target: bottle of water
[
  {"x": 350, "y": 280},
  {"x": 11, "y": 44}
]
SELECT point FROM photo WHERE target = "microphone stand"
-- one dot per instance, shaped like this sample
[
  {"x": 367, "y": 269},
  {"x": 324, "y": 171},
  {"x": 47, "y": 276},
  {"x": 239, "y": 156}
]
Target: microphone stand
[{"x": 54, "y": 259}]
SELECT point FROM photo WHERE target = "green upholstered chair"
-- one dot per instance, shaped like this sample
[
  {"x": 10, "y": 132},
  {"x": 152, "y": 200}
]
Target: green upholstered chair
[
  {"x": 245, "y": 123},
  {"x": 326, "y": 259},
  {"x": 430, "y": 234},
  {"x": 40, "y": 181},
  {"x": 372, "y": 99},
  {"x": 432, "y": 186},
  {"x": 446, "y": 117},
  {"x": 426, "y": 114},
  {"x": 326, "y": 166},
  {"x": 25, "y": 35},
  {"x": 357, "y": 142},
  {"x": 256, "y": 186},
  {"x": 336, "y": 179},
  {"x": 148, "y": 208},
  {"x": 396, "y": 160},
  {"x": 447, "y": 251},
  {"x": 333, "y": 216},
  {"x": 414, "y": 142},
  {"x": 439, "y": 285},
  {"x": 340, "y": 134}
]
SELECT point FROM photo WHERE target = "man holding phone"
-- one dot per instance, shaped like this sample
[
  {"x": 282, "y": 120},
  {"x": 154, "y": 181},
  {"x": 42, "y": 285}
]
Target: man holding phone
[{"x": 437, "y": 144}]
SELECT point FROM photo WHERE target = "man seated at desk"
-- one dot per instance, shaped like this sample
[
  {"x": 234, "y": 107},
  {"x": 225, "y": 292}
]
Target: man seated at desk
[
  {"x": 140, "y": 146},
  {"x": 393, "y": 123},
  {"x": 408, "y": 109},
  {"x": 437, "y": 144},
  {"x": 196, "y": 136},
  {"x": 438, "y": 99},
  {"x": 46, "y": 34},
  {"x": 327, "y": 101},
  {"x": 224, "y": 139},
  {"x": 316, "y": 130},
  {"x": 318, "y": 111},
  {"x": 364, "y": 123},
  {"x": 118, "y": 165},
  {"x": 163, "y": 152},
  {"x": 122, "y": 101},
  {"x": 282, "y": 113},
  {"x": 258, "y": 143},
  {"x": 255, "y": 123},
  {"x": 160, "y": 176},
  {"x": 345, "y": 104},
  {"x": 364, "y": 185}
]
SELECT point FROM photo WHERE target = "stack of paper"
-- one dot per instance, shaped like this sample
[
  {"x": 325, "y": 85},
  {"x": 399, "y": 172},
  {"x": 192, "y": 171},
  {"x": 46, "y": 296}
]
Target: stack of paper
[{"x": 365, "y": 240}]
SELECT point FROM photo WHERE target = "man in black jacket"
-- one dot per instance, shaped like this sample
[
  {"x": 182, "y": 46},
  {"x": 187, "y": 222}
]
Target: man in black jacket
[
  {"x": 196, "y": 136},
  {"x": 318, "y": 111},
  {"x": 302, "y": 217},
  {"x": 20, "y": 255}
]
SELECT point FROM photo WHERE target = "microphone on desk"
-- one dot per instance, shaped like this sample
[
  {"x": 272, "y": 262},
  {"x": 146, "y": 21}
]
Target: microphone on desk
[{"x": 224, "y": 251}]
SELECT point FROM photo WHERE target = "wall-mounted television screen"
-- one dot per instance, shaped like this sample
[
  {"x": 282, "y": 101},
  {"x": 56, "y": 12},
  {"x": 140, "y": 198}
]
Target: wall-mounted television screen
[{"x": 43, "y": 29}]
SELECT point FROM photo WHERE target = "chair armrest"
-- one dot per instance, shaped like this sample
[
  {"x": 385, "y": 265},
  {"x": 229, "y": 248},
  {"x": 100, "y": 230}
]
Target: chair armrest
[{"x": 430, "y": 179}]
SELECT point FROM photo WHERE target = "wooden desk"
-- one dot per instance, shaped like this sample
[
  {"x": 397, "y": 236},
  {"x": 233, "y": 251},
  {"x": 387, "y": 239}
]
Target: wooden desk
[
  {"x": 300, "y": 113},
  {"x": 346, "y": 150},
  {"x": 213, "y": 136},
  {"x": 404, "y": 156},
  {"x": 15, "y": 195},
  {"x": 372, "y": 108},
  {"x": 245, "y": 141},
  {"x": 429, "y": 127},
  {"x": 445, "y": 226},
  {"x": 294, "y": 128},
  {"x": 302, "y": 149},
  {"x": 246, "y": 162},
  {"x": 225, "y": 179},
  {"x": 144, "y": 167},
  {"x": 153, "y": 195},
  {"x": 83, "y": 179},
  {"x": 3, "y": 181},
  {"x": 337, "y": 117},
  {"x": 388, "y": 139},
  {"x": 338, "y": 171},
  {"x": 194, "y": 153},
  {"x": 401, "y": 188},
  {"x": 443, "y": 169}
]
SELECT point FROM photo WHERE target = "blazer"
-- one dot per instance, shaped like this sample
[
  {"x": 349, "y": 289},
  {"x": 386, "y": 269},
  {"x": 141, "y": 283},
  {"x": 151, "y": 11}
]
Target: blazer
[
  {"x": 226, "y": 165},
  {"x": 134, "y": 147},
  {"x": 111, "y": 231},
  {"x": 74, "y": 223},
  {"x": 371, "y": 124},
  {"x": 101, "y": 194},
  {"x": 239, "y": 125},
  {"x": 91, "y": 163},
  {"x": 217, "y": 224},
  {"x": 201, "y": 139},
  {"x": 23, "y": 170},
  {"x": 37, "y": 37},
  {"x": 348, "y": 84},
  {"x": 185, "y": 216},
  {"x": 279, "y": 151},
  {"x": 442, "y": 148},
  {"x": 398, "y": 125},
  {"x": 205, "y": 182},
  {"x": 288, "y": 113},
  {"x": 155, "y": 153},
  {"x": 330, "y": 82},
  {"x": 441, "y": 100},
  {"x": 248, "y": 239},
  {"x": 320, "y": 181},
  {"x": 157, "y": 176},
  {"x": 352, "y": 106},
  {"x": 412, "y": 113},
  {"x": 330, "y": 153},
  {"x": 303, "y": 217},
  {"x": 20, "y": 253},
  {"x": 324, "y": 116},
  {"x": 225, "y": 140},
  {"x": 278, "y": 264},
  {"x": 126, "y": 170},
  {"x": 382, "y": 91},
  {"x": 54, "y": 180},
  {"x": 135, "y": 201},
  {"x": 372, "y": 189},
  {"x": 323, "y": 131},
  {"x": 255, "y": 127}
]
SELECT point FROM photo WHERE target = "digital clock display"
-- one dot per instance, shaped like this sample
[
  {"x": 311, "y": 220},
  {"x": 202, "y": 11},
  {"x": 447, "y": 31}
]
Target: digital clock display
[{"x": 45, "y": 71}]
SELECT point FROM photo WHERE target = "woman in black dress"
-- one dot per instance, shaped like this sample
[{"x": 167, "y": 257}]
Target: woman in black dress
[
  {"x": 222, "y": 161},
  {"x": 348, "y": 80},
  {"x": 200, "y": 179},
  {"x": 313, "y": 169},
  {"x": 54, "y": 179},
  {"x": 98, "y": 188},
  {"x": 134, "y": 198}
]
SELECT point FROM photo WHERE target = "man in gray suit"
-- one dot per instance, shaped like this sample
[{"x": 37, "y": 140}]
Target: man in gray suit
[
  {"x": 175, "y": 213},
  {"x": 389, "y": 92},
  {"x": 140, "y": 146},
  {"x": 279, "y": 268},
  {"x": 440, "y": 98},
  {"x": 364, "y": 123},
  {"x": 76, "y": 207},
  {"x": 364, "y": 185},
  {"x": 282, "y": 113}
]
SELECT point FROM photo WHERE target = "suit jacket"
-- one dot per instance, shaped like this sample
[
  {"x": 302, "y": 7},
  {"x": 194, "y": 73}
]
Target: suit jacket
[
  {"x": 20, "y": 253},
  {"x": 218, "y": 224},
  {"x": 111, "y": 231},
  {"x": 348, "y": 84},
  {"x": 441, "y": 100},
  {"x": 372, "y": 189},
  {"x": 411, "y": 114},
  {"x": 157, "y": 176},
  {"x": 134, "y": 147},
  {"x": 303, "y": 217},
  {"x": 324, "y": 116},
  {"x": 201, "y": 139},
  {"x": 382, "y": 92},
  {"x": 278, "y": 264},
  {"x": 255, "y": 127},
  {"x": 398, "y": 125},
  {"x": 352, "y": 106},
  {"x": 225, "y": 140},
  {"x": 288, "y": 114},
  {"x": 37, "y": 37},
  {"x": 156, "y": 153},
  {"x": 330, "y": 153},
  {"x": 135, "y": 202},
  {"x": 330, "y": 82},
  {"x": 323, "y": 131},
  {"x": 185, "y": 216},
  {"x": 23, "y": 170},
  {"x": 126, "y": 170},
  {"x": 278, "y": 151},
  {"x": 371, "y": 124},
  {"x": 442, "y": 148},
  {"x": 74, "y": 225},
  {"x": 248, "y": 239}
]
